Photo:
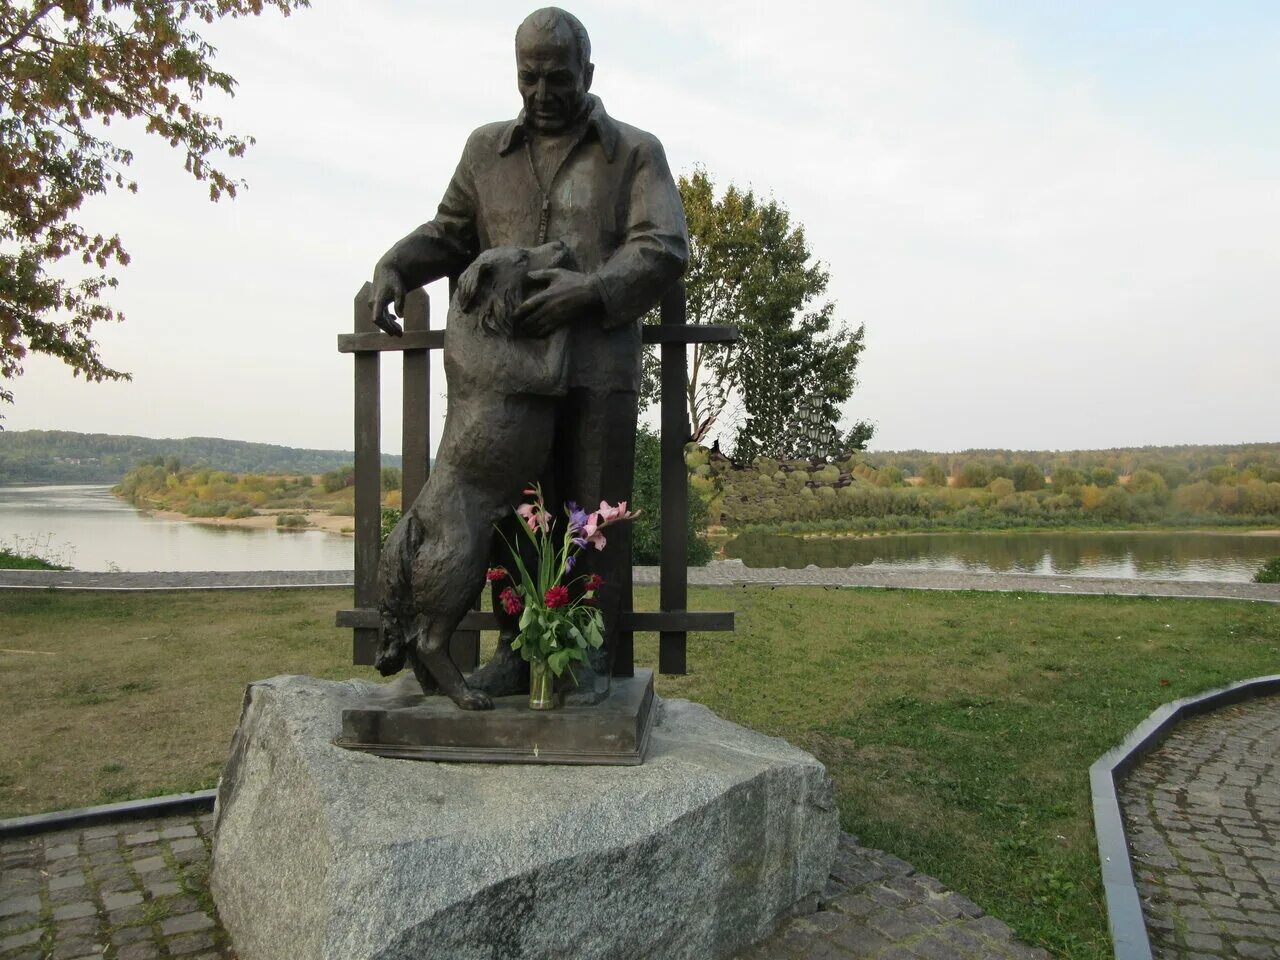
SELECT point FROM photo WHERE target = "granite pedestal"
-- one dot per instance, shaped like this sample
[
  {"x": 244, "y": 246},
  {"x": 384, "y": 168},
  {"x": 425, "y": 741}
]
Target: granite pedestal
[{"x": 322, "y": 853}]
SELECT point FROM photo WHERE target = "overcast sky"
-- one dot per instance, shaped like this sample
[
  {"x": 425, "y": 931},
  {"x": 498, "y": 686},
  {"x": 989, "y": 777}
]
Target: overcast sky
[{"x": 1060, "y": 222}]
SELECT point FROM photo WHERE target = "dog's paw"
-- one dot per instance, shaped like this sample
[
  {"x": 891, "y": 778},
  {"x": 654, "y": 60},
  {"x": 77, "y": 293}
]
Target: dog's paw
[
  {"x": 390, "y": 660},
  {"x": 473, "y": 700}
]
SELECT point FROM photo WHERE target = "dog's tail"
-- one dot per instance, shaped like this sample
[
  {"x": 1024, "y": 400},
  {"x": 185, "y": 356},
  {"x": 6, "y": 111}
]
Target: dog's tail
[{"x": 395, "y": 593}]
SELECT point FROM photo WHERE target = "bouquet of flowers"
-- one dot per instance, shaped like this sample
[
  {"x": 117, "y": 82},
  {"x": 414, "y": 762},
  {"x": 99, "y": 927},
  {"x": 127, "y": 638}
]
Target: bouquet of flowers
[{"x": 558, "y": 617}]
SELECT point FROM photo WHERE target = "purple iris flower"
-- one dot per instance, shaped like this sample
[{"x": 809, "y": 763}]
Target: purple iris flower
[
  {"x": 568, "y": 564},
  {"x": 577, "y": 516}
]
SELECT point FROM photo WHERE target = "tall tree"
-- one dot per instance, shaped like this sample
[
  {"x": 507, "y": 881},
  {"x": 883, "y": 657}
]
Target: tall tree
[
  {"x": 750, "y": 265},
  {"x": 67, "y": 71}
]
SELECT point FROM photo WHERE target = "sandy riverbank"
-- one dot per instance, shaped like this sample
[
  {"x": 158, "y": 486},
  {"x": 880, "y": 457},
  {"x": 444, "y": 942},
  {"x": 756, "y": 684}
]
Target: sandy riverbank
[{"x": 266, "y": 520}]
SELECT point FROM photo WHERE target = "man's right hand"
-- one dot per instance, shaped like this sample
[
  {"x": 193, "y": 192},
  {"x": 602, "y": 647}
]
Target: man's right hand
[{"x": 388, "y": 288}]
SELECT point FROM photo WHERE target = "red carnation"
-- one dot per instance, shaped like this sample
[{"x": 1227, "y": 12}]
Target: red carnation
[
  {"x": 595, "y": 582},
  {"x": 557, "y": 596},
  {"x": 495, "y": 573},
  {"x": 511, "y": 601}
]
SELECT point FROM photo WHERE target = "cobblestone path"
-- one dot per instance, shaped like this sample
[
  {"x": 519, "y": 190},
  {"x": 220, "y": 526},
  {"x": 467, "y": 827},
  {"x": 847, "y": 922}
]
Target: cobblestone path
[
  {"x": 1202, "y": 815},
  {"x": 877, "y": 906},
  {"x": 139, "y": 890},
  {"x": 134, "y": 891}
]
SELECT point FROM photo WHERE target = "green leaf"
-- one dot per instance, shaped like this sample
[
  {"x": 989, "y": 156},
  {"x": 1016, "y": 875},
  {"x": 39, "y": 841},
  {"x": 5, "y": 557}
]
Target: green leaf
[
  {"x": 594, "y": 635},
  {"x": 558, "y": 661}
]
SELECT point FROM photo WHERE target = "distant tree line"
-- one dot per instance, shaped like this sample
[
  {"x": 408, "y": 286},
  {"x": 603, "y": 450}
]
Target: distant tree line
[
  {"x": 58, "y": 456},
  {"x": 1163, "y": 486},
  {"x": 1176, "y": 465}
]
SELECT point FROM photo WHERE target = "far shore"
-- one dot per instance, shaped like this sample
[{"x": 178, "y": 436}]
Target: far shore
[
  {"x": 345, "y": 526},
  {"x": 266, "y": 520},
  {"x": 858, "y": 534}
]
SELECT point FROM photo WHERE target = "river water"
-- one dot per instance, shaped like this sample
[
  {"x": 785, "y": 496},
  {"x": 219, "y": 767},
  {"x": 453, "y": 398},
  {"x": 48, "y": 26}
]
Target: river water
[
  {"x": 1142, "y": 555},
  {"x": 87, "y": 528}
]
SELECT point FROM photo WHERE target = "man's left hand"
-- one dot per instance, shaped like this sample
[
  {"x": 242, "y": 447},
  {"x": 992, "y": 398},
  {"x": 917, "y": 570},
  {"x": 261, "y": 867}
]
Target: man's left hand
[{"x": 567, "y": 296}]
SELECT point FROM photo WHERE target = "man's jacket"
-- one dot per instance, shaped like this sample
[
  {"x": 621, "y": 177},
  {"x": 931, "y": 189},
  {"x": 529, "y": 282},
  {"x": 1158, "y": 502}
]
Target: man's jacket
[{"x": 614, "y": 204}]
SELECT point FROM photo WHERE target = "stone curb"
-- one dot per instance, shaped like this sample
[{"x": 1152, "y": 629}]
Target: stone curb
[
  {"x": 1124, "y": 907},
  {"x": 200, "y": 801}
]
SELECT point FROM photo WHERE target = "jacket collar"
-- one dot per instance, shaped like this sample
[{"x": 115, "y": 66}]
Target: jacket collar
[{"x": 599, "y": 122}]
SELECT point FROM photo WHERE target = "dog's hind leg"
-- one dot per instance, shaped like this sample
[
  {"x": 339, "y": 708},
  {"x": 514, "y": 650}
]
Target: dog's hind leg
[{"x": 447, "y": 575}]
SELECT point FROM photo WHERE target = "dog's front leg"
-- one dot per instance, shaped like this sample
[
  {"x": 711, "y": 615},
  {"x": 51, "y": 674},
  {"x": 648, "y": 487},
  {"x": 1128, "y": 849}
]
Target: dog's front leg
[{"x": 431, "y": 648}]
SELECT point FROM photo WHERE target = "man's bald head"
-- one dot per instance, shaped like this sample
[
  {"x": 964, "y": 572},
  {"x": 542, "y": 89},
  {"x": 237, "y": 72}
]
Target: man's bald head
[
  {"x": 551, "y": 24},
  {"x": 553, "y": 69}
]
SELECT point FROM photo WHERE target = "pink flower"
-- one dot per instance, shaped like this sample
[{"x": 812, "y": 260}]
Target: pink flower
[
  {"x": 557, "y": 596},
  {"x": 511, "y": 601},
  {"x": 616, "y": 514},
  {"x": 589, "y": 532},
  {"x": 494, "y": 574},
  {"x": 534, "y": 516}
]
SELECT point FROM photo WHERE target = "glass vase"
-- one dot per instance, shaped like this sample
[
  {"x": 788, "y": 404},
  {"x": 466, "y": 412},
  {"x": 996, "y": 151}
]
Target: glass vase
[{"x": 542, "y": 686}]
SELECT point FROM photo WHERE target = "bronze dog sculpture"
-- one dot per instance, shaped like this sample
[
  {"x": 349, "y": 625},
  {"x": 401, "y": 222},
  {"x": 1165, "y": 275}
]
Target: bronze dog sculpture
[{"x": 497, "y": 438}]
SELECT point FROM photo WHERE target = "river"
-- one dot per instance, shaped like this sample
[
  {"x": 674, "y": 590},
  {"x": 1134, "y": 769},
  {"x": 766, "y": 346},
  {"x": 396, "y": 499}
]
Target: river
[
  {"x": 1137, "y": 555},
  {"x": 89, "y": 529}
]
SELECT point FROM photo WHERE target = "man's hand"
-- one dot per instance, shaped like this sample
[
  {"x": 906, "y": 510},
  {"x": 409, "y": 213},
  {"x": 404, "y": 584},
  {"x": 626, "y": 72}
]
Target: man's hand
[
  {"x": 567, "y": 296},
  {"x": 387, "y": 288}
]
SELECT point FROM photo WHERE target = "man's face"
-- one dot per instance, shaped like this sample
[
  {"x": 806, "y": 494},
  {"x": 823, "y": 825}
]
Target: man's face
[{"x": 552, "y": 79}]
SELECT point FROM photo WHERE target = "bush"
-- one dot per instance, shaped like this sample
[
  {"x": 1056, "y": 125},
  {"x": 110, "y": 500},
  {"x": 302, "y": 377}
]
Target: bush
[
  {"x": 207, "y": 508},
  {"x": 646, "y": 533},
  {"x": 1269, "y": 572},
  {"x": 33, "y": 553},
  {"x": 292, "y": 521},
  {"x": 240, "y": 511},
  {"x": 934, "y": 476},
  {"x": 339, "y": 479},
  {"x": 390, "y": 517},
  {"x": 974, "y": 475},
  {"x": 1027, "y": 476}
]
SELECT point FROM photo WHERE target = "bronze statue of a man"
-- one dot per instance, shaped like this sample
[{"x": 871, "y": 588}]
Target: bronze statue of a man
[{"x": 563, "y": 170}]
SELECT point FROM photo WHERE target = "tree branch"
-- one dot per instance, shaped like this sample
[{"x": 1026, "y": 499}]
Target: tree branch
[{"x": 26, "y": 28}]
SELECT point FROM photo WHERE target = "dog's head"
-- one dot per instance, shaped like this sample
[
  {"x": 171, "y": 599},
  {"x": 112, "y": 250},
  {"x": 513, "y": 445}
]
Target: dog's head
[{"x": 498, "y": 281}]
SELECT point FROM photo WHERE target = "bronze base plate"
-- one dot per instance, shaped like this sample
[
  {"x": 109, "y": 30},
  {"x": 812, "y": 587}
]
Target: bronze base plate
[{"x": 396, "y": 722}]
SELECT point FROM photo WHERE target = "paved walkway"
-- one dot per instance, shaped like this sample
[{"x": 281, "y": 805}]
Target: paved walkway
[
  {"x": 138, "y": 891},
  {"x": 877, "y": 907},
  {"x": 132, "y": 891},
  {"x": 722, "y": 573},
  {"x": 1202, "y": 815}
]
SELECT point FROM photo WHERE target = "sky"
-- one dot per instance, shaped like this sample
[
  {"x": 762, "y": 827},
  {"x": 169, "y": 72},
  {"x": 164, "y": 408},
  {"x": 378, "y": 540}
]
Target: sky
[{"x": 1059, "y": 221}]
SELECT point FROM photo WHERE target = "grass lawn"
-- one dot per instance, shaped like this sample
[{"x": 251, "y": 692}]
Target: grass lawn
[{"x": 959, "y": 727}]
